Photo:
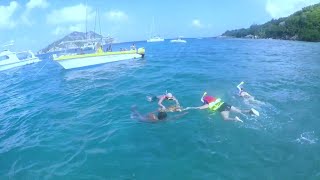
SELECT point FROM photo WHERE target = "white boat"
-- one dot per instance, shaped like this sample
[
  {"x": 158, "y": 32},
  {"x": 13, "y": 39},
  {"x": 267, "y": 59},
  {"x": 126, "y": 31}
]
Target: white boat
[
  {"x": 72, "y": 61},
  {"x": 178, "y": 40},
  {"x": 10, "y": 59},
  {"x": 155, "y": 39}
]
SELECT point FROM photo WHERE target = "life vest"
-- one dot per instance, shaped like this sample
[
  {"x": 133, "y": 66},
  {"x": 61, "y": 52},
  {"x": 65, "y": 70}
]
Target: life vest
[{"x": 213, "y": 102}]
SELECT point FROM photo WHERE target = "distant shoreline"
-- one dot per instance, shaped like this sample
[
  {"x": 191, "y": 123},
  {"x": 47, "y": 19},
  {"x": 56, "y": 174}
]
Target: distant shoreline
[
  {"x": 302, "y": 25},
  {"x": 243, "y": 38}
]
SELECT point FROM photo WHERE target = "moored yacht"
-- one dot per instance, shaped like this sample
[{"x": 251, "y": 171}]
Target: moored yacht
[{"x": 10, "y": 59}]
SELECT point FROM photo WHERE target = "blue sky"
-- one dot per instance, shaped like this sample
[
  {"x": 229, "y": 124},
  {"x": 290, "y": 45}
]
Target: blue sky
[{"x": 33, "y": 24}]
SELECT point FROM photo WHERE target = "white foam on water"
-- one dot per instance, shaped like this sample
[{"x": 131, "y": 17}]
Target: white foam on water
[{"x": 307, "y": 138}]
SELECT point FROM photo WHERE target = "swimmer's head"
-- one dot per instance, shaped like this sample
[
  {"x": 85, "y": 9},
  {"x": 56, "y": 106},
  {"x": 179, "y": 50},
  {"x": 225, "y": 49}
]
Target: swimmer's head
[
  {"x": 162, "y": 115},
  {"x": 169, "y": 96}
]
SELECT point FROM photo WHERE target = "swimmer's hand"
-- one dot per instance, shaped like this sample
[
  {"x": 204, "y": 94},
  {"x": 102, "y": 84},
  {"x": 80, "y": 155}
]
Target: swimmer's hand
[
  {"x": 149, "y": 98},
  {"x": 163, "y": 108},
  {"x": 185, "y": 109}
]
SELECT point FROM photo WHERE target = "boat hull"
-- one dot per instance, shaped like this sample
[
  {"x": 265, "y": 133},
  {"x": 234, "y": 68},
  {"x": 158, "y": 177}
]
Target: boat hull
[
  {"x": 95, "y": 60},
  {"x": 178, "y": 41},
  {"x": 155, "y": 40},
  {"x": 18, "y": 64}
]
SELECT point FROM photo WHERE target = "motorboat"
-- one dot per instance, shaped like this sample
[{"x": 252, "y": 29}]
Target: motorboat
[
  {"x": 71, "y": 61},
  {"x": 178, "y": 40},
  {"x": 10, "y": 59},
  {"x": 155, "y": 39}
]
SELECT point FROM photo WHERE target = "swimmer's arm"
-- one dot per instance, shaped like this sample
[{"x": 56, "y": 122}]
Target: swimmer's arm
[
  {"x": 176, "y": 100},
  {"x": 200, "y": 107},
  {"x": 160, "y": 102},
  {"x": 203, "y": 107},
  {"x": 140, "y": 116}
]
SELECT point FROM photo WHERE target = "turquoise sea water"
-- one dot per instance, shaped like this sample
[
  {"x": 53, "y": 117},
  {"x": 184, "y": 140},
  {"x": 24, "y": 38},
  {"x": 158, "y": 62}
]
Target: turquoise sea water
[{"x": 76, "y": 124}]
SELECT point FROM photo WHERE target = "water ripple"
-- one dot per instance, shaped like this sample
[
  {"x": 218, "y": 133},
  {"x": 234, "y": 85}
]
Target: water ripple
[{"x": 75, "y": 124}]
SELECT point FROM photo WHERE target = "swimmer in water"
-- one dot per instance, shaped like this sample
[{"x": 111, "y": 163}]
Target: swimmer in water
[
  {"x": 161, "y": 98},
  {"x": 215, "y": 104},
  {"x": 154, "y": 116},
  {"x": 243, "y": 93}
]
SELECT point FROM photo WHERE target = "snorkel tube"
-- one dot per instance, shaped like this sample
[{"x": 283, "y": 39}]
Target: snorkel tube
[
  {"x": 204, "y": 94},
  {"x": 240, "y": 86}
]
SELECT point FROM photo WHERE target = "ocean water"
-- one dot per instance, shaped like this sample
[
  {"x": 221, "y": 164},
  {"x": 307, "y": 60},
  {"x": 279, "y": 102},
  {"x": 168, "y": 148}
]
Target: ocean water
[{"x": 77, "y": 124}]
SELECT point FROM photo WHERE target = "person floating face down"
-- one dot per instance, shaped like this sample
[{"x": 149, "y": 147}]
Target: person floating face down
[
  {"x": 154, "y": 116},
  {"x": 216, "y": 104},
  {"x": 161, "y": 98},
  {"x": 242, "y": 92}
]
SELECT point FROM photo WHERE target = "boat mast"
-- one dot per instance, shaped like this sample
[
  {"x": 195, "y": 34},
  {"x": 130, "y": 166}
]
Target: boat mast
[
  {"x": 86, "y": 18},
  {"x": 152, "y": 27},
  {"x": 95, "y": 24},
  {"x": 99, "y": 23}
]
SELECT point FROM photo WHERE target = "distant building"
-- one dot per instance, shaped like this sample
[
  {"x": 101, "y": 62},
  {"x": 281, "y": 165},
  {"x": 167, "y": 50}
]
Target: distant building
[{"x": 250, "y": 36}]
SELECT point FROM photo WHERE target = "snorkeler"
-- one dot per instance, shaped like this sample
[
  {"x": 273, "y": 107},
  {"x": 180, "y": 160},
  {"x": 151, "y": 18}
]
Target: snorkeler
[
  {"x": 242, "y": 92},
  {"x": 161, "y": 98},
  {"x": 215, "y": 104},
  {"x": 153, "y": 117}
]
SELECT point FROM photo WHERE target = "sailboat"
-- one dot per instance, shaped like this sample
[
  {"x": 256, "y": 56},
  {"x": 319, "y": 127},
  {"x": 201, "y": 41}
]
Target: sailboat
[{"x": 154, "y": 38}]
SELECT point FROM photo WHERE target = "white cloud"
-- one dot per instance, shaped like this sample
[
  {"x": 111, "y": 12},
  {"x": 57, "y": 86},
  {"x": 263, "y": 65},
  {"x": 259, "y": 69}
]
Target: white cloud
[
  {"x": 37, "y": 4},
  {"x": 6, "y": 13},
  {"x": 197, "y": 23},
  {"x": 58, "y": 30},
  {"x": 71, "y": 14},
  {"x": 282, "y": 8},
  {"x": 32, "y": 4},
  {"x": 61, "y": 30},
  {"x": 76, "y": 27},
  {"x": 116, "y": 15}
]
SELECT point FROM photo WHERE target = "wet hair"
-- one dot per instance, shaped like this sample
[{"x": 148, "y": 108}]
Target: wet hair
[{"x": 162, "y": 115}]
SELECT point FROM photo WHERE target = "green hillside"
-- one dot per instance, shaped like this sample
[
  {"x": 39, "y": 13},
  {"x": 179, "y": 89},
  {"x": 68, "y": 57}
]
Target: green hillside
[{"x": 303, "y": 25}]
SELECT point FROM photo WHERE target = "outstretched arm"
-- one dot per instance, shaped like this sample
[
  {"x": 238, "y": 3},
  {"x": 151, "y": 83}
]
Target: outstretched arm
[
  {"x": 200, "y": 107},
  {"x": 160, "y": 102},
  {"x": 137, "y": 114}
]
